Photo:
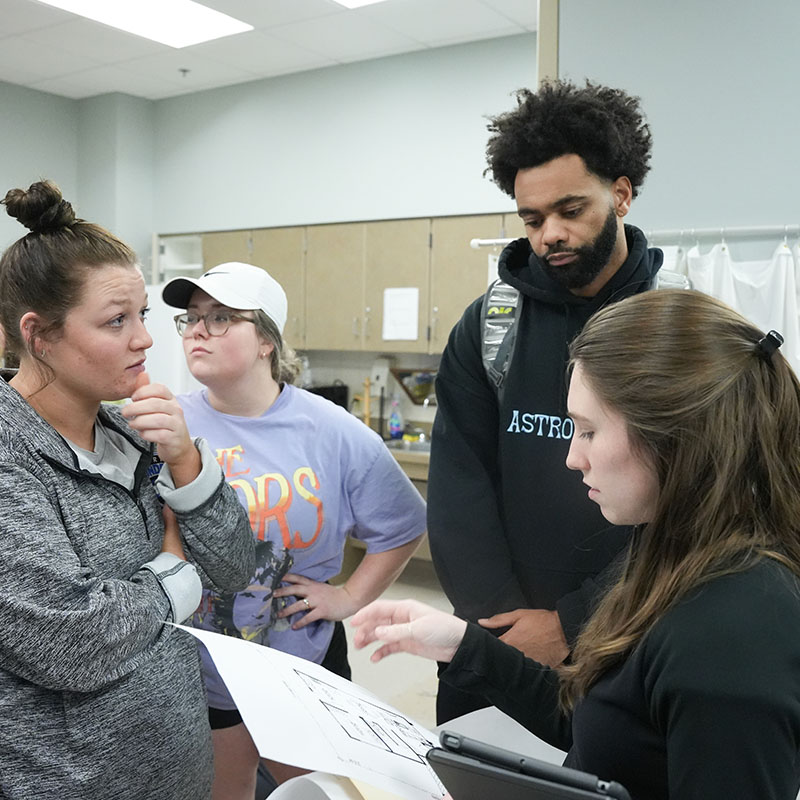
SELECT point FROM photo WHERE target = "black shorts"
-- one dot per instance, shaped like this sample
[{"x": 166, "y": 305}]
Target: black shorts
[{"x": 335, "y": 660}]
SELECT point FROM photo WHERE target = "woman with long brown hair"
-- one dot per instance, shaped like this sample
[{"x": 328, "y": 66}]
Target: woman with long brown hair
[{"x": 685, "y": 682}]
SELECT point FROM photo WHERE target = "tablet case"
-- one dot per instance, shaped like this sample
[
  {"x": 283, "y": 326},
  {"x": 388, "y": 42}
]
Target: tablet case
[{"x": 473, "y": 770}]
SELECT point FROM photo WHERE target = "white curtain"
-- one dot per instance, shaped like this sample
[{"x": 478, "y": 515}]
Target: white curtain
[
  {"x": 674, "y": 258},
  {"x": 763, "y": 291}
]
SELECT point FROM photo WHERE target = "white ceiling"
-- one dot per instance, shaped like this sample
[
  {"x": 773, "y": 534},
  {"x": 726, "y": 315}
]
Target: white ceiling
[{"x": 55, "y": 51}]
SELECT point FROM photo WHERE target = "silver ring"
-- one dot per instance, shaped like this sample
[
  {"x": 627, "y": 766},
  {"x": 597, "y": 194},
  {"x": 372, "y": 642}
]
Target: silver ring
[{"x": 308, "y": 605}]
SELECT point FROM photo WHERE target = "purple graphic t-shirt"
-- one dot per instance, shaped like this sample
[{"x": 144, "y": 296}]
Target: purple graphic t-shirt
[{"x": 309, "y": 475}]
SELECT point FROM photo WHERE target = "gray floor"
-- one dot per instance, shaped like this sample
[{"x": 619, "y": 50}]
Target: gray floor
[{"x": 406, "y": 682}]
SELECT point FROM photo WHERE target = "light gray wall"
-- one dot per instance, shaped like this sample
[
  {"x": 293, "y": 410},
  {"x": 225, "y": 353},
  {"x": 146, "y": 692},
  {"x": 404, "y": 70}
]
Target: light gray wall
[
  {"x": 97, "y": 156},
  {"x": 99, "y": 151},
  {"x": 136, "y": 174},
  {"x": 396, "y": 137},
  {"x": 405, "y": 136},
  {"x": 718, "y": 82},
  {"x": 116, "y": 167},
  {"x": 38, "y": 139}
]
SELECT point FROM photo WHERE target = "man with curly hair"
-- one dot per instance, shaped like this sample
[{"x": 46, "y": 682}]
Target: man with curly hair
[{"x": 516, "y": 542}]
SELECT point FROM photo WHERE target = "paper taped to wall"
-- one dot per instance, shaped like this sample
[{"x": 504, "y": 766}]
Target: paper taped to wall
[{"x": 401, "y": 314}]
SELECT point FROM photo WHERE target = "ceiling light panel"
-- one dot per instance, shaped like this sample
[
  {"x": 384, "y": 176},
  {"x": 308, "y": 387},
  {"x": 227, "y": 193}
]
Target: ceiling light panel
[{"x": 177, "y": 23}]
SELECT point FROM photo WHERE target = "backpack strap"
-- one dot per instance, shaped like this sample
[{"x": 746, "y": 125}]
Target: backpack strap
[
  {"x": 498, "y": 318},
  {"x": 499, "y": 314}
]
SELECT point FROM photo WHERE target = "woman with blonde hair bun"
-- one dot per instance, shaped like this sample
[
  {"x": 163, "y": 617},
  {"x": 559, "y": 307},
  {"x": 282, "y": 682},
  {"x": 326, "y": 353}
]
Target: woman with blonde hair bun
[
  {"x": 114, "y": 519},
  {"x": 685, "y": 682}
]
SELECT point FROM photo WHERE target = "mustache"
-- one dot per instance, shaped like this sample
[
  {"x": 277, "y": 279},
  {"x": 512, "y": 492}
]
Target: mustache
[{"x": 555, "y": 250}]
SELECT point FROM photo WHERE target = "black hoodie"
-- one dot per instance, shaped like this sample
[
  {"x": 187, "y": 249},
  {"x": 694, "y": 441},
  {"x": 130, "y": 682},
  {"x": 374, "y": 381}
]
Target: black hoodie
[{"x": 509, "y": 525}]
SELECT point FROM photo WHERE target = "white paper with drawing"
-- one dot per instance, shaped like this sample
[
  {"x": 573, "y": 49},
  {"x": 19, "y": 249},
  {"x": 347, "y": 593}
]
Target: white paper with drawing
[{"x": 300, "y": 713}]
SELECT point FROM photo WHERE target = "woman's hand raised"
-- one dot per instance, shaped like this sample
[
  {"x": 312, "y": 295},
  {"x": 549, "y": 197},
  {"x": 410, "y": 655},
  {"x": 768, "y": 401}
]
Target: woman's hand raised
[
  {"x": 157, "y": 417},
  {"x": 408, "y": 626}
]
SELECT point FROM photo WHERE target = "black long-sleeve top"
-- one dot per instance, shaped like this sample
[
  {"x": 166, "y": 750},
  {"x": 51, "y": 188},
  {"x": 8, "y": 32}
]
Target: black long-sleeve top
[{"x": 706, "y": 706}]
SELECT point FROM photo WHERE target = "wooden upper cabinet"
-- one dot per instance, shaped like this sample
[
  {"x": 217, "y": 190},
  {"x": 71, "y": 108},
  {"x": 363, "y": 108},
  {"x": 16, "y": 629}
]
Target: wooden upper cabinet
[
  {"x": 458, "y": 273},
  {"x": 225, "y": 246},
  {"x": 334, "y": 286},
  {"x": 514, "y": 226},
  {"x": 336, "y": 276},
  {"x": 396, "y": 256},
  {"x": 281, "y": 252}
]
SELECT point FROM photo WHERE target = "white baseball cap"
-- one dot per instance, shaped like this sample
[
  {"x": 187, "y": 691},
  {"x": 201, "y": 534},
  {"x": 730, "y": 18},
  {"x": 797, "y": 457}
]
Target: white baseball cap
[{"x": 243, "y": 287}]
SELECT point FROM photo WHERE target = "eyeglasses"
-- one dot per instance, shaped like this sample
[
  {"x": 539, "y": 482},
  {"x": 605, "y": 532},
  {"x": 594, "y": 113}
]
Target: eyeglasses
[{"x": 216, "y": 322}]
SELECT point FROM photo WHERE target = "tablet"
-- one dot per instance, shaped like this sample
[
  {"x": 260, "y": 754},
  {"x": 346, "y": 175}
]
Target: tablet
[{"x": 473, "y": 770}]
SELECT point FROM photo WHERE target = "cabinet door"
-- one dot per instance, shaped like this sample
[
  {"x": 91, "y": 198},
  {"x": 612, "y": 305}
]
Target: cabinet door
[
  {"x": 459, "y": 274},
  {"x": 281, "y": 252},
  {"x": 225, "y": 246},
  {"x": 334, "y": 286},
  {"x": 397, "y": 256},
  {"x": 514, "y": 226}
]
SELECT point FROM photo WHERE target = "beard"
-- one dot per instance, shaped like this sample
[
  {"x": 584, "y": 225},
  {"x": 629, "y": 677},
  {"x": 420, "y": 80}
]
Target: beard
[{"x": 591, "y": 258}]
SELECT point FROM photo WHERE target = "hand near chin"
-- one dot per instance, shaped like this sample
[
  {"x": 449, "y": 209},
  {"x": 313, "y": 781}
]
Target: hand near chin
[
  {"x": 407, "y": 626},
  {"x": 535, "y": 631},
  {"x": 157, "y": 417}
]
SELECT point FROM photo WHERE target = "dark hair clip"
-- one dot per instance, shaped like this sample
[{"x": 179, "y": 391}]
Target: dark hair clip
[{"x": 768, "y": 345}]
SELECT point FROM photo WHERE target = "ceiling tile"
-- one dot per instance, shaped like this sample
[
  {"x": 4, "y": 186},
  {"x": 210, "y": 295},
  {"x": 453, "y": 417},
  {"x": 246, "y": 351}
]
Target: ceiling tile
[
  {"x": 169, "y": 65},
  {"x": 434, "y": 21},
  {"x": 522, "y": 12},
  {"x": 46, "y": 62},
  {"x": 16, "y": 74},
  {"x": 352, "y": 37},
  {"x": 261, "y": 54},
  {"x": 445, "y": 41},
  {"x": 106, "y": 80},
  {"x": 93, "y": 40},
  {"x": 63, "y": 87},
  {"x": 19, "y": 16},
  {"x": 60, "y": 52}
]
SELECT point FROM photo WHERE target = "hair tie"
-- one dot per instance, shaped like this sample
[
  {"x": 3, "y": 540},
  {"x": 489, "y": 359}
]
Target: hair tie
[{"x": 767, "y": 345}]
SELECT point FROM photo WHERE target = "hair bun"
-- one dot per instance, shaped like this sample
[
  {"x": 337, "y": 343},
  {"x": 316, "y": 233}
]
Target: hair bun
[{"x": 41, "y": 208}]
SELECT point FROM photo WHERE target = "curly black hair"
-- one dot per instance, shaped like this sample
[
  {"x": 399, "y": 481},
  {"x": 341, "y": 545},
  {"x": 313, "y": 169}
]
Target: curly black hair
[{"x": 605, "y": 127}]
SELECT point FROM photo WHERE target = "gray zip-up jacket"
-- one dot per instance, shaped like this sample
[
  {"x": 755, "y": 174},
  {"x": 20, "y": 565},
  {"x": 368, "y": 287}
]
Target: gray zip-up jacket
[{"x": 98, "y": 697}]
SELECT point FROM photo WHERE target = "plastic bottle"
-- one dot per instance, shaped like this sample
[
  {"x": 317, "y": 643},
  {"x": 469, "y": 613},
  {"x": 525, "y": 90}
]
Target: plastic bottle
[{"x": 395, "y": 421}]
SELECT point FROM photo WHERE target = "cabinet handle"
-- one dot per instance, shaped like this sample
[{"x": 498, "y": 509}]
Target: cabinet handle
[
  {"x": 434, "y": 323},
  {"x": 355, "y": 326},
  {"x": 366, "y": 327},
  {"x": 297, "y": 328}
]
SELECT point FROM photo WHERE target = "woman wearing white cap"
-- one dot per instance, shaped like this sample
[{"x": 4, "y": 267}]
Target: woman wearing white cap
[{"x": 309, "y": 474}]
